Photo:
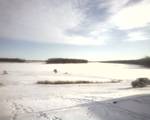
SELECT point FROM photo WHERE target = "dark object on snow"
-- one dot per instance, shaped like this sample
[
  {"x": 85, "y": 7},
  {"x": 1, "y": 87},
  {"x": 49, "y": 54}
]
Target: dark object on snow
[
  {"x": 140, "y": 82},
  {"x": 5, "y": 72},
  {"x": 114, "y": 102},
  {"x": 55, "y": 71}
]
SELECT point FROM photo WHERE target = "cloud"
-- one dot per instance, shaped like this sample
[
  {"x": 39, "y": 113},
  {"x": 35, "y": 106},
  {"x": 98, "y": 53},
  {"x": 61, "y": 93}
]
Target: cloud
[
  {"x": 133, "y": 2},
  {"x": 137, "y": 36},
  {"x": 134, "y": 16},
  {"x": 77, "y": 22},
  {"x": 80, "y": 40},
  {"x": 37, "y": 20}
]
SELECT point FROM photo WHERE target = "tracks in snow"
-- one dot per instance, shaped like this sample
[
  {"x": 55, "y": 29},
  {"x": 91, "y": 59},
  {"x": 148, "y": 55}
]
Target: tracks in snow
[{"x": 104, "y": 109}]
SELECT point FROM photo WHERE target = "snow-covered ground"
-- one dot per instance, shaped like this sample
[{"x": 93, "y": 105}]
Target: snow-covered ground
[{"x": 22, "y": 99}]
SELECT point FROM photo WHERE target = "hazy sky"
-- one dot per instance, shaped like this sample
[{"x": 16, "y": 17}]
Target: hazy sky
[{"x": 91, "y": 29}]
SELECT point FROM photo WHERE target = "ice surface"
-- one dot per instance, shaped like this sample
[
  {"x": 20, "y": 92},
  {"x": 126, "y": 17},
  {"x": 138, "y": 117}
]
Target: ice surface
[{"x": 22, "y": 99}]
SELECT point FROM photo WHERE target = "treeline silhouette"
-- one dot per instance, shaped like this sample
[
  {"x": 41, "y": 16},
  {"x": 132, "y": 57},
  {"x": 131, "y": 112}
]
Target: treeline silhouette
[
  {"x": 143, "y": 61},
  {"x": 12, "y": 60},
  {"x": 65, "y": 60}
]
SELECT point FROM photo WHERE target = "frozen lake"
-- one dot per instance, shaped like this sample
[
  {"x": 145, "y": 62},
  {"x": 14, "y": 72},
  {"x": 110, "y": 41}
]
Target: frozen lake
[
  {"x": 22, "y": 99},
  {"x": 27, "y": 73}
]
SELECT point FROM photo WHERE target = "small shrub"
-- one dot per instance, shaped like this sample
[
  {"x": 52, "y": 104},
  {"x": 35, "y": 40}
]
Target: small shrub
[{"x": 140, "y": 82}]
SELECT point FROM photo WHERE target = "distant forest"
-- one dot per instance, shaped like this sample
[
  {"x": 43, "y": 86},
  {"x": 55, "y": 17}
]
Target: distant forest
[
  {"x": 143, "y": 61},
  {"x": 49, "y": 61},
  {"x": 12, "y": 60},
  {"x": 65, "y": 60}
]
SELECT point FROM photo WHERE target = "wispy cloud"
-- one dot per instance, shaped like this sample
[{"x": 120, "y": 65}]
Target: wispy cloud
[
  {"x": 133, "y": 16},
  {"x": 77, "y": 22},
  {"x": 37, "y": 20},
  {"x": 137, "y": 36}
]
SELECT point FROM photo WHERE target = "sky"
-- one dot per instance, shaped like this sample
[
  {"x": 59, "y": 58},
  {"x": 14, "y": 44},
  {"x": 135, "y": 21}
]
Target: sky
[{"x": 88, "y": 29}]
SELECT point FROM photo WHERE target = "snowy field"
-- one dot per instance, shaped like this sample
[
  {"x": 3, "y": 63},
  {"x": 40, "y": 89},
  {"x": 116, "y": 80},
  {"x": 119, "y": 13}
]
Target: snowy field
[{"x": 22, "y": 99}]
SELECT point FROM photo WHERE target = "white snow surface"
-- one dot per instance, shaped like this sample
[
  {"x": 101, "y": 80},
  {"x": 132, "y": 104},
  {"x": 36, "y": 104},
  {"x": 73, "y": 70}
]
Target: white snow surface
[{"x": 22, "y": 99}]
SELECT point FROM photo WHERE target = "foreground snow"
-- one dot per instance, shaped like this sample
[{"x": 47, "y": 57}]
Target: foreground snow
[{"x": 22, "y": 99}]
